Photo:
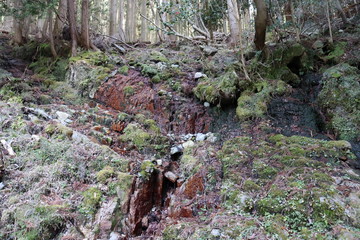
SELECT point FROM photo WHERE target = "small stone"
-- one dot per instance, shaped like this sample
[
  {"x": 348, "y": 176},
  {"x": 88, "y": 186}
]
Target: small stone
[
  {"x": 188, "y": 144},
  {"x": 171, "y": 176},
  {"x": 200, "y": 137},
  {"x": 174, "y": 66},
  {"x": 159, "y": 162},
  {"x": 62, "y": 116},
  {"x": 198, "y": 75},
  {"x": 176, "y": 149},
  {"x": 211, "y": 137},
  {"x": 1, "y": 185},
  {"x": 215, "y": 232},
  {"x": 206, "y": 104},
  {"x": 115, "y": 236}
]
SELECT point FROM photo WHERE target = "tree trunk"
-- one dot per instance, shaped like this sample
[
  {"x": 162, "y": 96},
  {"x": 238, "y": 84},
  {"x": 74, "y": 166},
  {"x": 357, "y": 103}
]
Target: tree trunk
[
  {"x": 329, "y": 20},
  {"x": 234, "y": 22},
  {"x": 144, "y": 30},
  {"x": 112, "y": 15},
  {"x": 131, "y": 20},
  {"x": 85, "y": 35},
  {"x": 60, "y": 19},
  {"x": 17, "y": 25},
  {"x": 51, "y": 37},
  {"x": 121, "y": 19},
  {"x": 72, "y": 25},
  {"x": 260, "y": 24}
]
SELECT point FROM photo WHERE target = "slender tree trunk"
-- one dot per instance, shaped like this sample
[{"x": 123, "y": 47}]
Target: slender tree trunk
[
  {"x": 144, "y": 26},
  {"x": 72, "y": 25},
  {"x": 121, "y": 19},
  {"x": 51, "y": 36},
  {"x": 131, "y": 20},
  {"x": 85, "y": 35},
  {"x": 260, "y": 24},
  {"x": 233, "y": 22},
  {"x": 112, "y": 14},
  {"x": 60, "y": 19},
  {"x": 329, "y": 20},
  {"x": 17, "y": 26}
]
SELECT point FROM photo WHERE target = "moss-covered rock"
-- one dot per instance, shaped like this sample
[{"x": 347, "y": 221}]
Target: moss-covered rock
[
  {"x": 87, "y": 71},
  {"x": 59, "y": 130},
  {"x": 91, "y": 201},
  {"x": 105, "y": 174},
  {"x": 253, "y": 102},
  {"x": 340, "y": 99},
  {"x": 135, "y": 134},
  {"x": 220, "y": 90}
]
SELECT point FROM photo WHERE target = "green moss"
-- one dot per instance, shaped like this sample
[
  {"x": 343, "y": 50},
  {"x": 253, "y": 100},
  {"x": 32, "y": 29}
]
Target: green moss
[
  {"x": 91, "y": 201},
  {"x": 263, "y": 171},
  {"x": 105, "y": 174},
  {"x": 129, "y": 91},
  {"x": 156, "y": 56},
  {"x": 124, "y": 70},
  {"x": 250, "y": 186},
  {"x": 148, "y": 70},
  {"x": 146, "y": 169},
  {"x": 156, "y": 79},
  {"x": 253, "y": 102},
  {"x": 339, "y": 97},
  {"x": 134, "y": 134},
  {"x": 222, "y": 89},
  {"x": 336, "y": 53},
  {"x": 206, "y": 92},
  {"x": 58, "y": 130}
]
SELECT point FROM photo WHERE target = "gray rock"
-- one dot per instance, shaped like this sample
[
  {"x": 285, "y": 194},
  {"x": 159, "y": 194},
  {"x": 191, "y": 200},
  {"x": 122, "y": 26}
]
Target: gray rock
[
  {"x": 188, "y": 144},
  {"x": 200, "y": 137},
  {"x": 215, "y": 232},
  {"x": 115, "y": 236},
  {"x": 1, "y": 185},
  {"x": 199, "y": 75},
  {"x": 176, "y": 149},
  {"x": 206, "y": 104},
  {"x": 62, "y": 117}
]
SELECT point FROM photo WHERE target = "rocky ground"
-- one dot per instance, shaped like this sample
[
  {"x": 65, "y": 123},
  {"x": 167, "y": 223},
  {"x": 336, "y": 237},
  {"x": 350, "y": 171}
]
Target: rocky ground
[{"x": 175, "y": 142}]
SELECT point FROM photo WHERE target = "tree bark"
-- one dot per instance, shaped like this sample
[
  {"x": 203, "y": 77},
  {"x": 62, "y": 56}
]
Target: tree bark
[
  {"x": 131, "y": 20},
  {"x": 144, "y": 30},
  {"x": 85, "y": 35},
  {"x": 72, "y": 25},
  {"x": 51, "y": 36},
  {"x": 121, "y": 19},
  {"x": 17, "y": 25},
  {"x": 112, "y": 15},
  {"x": 260, "y": 24},
  {"x": 60, "y": 19},
  {"x": 234, "y": 22}
]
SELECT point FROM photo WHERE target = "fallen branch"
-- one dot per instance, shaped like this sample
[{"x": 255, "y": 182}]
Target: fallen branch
[
  {"x": 117, "y": 39},
  {"x": 169, "y": 27}
]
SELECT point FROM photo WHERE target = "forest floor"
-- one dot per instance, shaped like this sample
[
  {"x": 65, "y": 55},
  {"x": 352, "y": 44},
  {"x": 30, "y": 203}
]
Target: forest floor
[{"x": 124, "y": 149}]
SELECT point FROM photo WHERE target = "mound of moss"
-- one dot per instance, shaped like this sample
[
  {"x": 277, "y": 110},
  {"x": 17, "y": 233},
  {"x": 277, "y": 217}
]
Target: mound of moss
[
  {"x": 292, "y": 178},
  {"x": 87, "y": 71},
  {"x": 339, "y": 98}
]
